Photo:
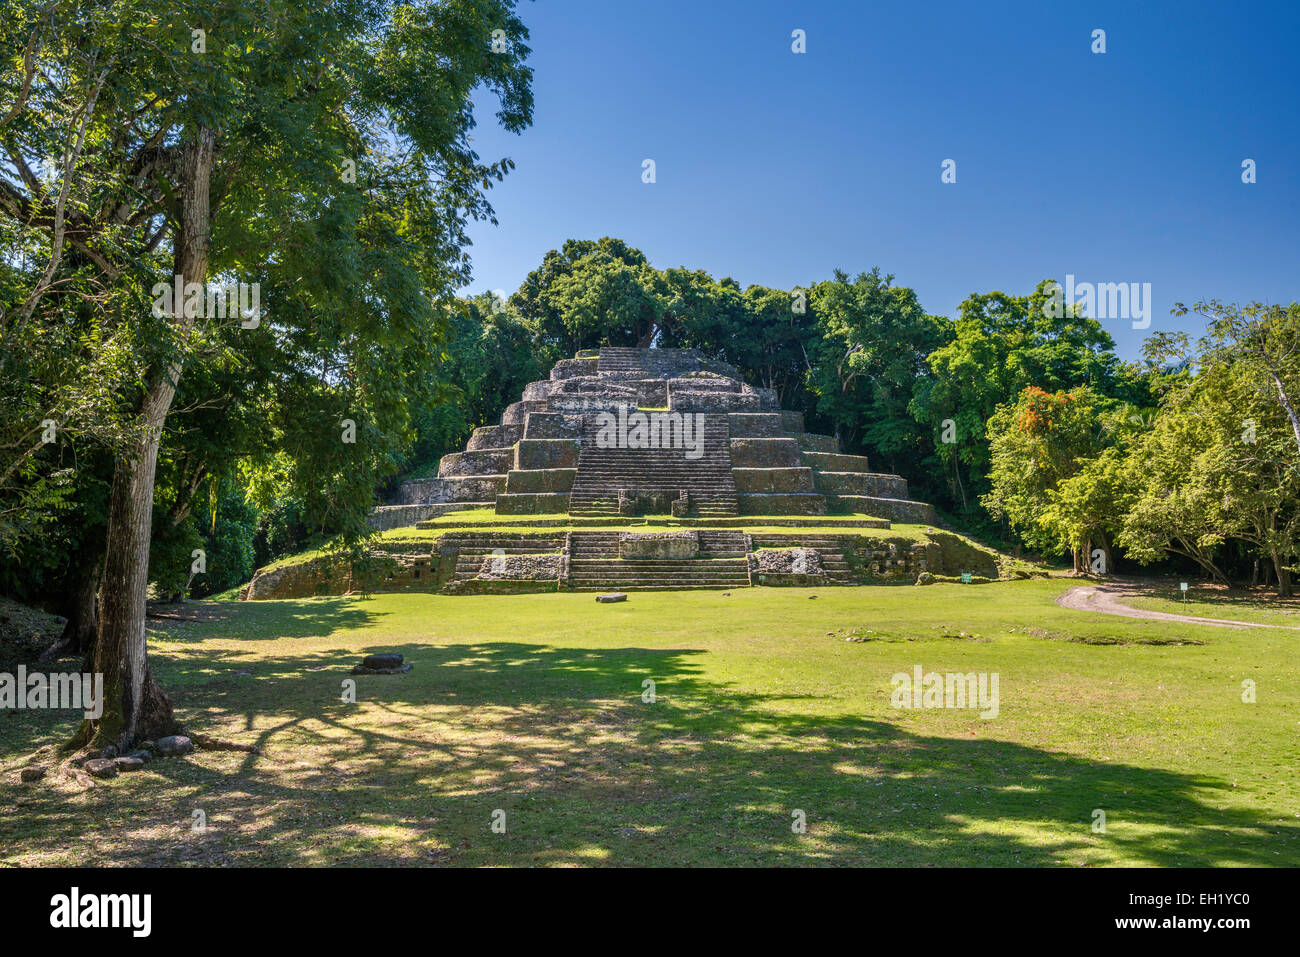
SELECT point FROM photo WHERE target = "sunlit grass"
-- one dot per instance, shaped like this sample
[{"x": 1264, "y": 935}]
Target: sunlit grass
[{"x": 532, "y": 705}]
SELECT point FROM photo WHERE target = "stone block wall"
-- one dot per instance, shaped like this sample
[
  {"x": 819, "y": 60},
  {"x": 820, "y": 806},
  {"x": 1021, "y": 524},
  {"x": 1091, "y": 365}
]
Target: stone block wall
[
  {"x": 658, "y": 546},
  {"x": 540, "y": 480},
  {"x": 773, "y": 481},
  {"x": 475, "y": 462},
  {"x": 546, "y": 454},
  {"x": 765, "y": 453}
]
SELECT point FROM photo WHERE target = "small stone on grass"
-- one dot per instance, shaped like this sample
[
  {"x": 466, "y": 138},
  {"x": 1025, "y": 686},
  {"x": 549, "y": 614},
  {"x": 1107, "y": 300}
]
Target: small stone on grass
[
  {"x": 174, "y": 745},
  {"x": 387, "y": 663},
  {"x": 100, "y": 768}
]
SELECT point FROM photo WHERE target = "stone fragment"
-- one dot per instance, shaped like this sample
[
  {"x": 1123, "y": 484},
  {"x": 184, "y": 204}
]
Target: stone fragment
[
  {"x": 364, "y": 670},
  {"x": 33, "y": 773},
  {"x": 174, "y": 745},
  {"x": 128, "y": 763},
  {"x": 100, "y": 768},
  {"x": 384, "y": 663},
  {"x": 612, "y": 596}
]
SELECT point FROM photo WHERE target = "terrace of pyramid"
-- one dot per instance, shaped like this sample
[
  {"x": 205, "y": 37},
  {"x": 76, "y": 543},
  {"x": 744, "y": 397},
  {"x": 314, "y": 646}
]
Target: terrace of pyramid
[
  {"x": 643, "y": 469},
  {"x": 743, "y": 454}
]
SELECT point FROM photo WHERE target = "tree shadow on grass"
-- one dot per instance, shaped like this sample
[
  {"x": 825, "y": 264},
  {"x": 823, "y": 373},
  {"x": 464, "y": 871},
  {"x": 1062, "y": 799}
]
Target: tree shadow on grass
[
  {"x": 587, "y": 772},
  {"x": 260, "y": 620}
]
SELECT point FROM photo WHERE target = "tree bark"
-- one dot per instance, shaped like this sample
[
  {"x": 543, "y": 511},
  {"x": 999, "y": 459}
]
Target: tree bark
[
  {"x": 81, "y": 609},
  {"x": 1283, "y": 575},
  {"x": 134, "y": 706}
]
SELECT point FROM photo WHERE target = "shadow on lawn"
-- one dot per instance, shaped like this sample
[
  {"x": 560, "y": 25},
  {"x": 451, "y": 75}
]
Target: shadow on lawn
[
  {"x": 587, "y": 773},
  {"x": 259, "y": 620}
]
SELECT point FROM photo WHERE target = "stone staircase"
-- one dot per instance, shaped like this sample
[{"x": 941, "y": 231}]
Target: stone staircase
[
  {"x": 663, "y": 473},
  {"x": 472, "y": 548},
  {"x": 594, "y": 564},
  {"x": 829, "y": 547},
  {"x": 656, "y": 363}
]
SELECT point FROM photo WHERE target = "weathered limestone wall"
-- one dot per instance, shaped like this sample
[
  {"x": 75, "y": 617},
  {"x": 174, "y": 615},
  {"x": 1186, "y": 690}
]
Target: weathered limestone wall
[
  {"x": 470, "y": 488},
  {"x": 398, "y": 516},
  {"x": 658, "y": 546},
  {"x": 475, "y": 462},
  {"x": 494, "y": 437},
  {"x": 546, "y": 454},
  {"x": 765, "y": 453}
]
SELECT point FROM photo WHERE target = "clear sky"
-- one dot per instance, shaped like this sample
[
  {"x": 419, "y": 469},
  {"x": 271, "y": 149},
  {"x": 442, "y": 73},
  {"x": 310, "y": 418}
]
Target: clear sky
[{"x": 776, "y": 168}]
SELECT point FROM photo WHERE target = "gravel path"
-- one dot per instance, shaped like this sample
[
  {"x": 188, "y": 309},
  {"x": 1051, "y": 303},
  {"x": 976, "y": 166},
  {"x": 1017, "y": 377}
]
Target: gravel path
[{"x": 1107, "y": 599}]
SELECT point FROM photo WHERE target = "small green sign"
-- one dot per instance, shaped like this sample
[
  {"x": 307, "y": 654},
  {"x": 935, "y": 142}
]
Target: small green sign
[{"x": 965, "y": 578}]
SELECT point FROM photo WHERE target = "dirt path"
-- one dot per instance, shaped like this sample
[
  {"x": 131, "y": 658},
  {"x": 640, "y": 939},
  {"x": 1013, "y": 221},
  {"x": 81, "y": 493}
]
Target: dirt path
[{"x": 1107, "y": 599}]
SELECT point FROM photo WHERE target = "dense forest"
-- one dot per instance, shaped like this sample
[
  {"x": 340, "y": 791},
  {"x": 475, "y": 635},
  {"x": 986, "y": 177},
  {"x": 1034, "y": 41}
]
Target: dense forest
[
  {"x": 1022, "y": 425},
  {"x": 1017, "y": 419}
]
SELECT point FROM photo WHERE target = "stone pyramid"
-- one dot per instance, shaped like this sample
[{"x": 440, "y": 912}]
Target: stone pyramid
[{"x": 625, "y": 432}]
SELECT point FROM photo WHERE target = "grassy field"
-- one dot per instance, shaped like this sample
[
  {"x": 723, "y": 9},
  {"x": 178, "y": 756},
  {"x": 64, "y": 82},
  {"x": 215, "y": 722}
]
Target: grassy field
[
  {"x": 532, "y": 705},
  {"x": 1206, "y": 602}
]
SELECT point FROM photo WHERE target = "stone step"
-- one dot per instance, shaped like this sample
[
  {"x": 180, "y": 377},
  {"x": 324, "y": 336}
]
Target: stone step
[
  {"x": 655, "y": 574},
  {"x": 517, "y": 412},
  {"x": 460, "y": 488},
  {"x": 494, "y": 437},
  {"x": 894, "y": 509},
  {"x": 765, "y": 453},
  {"x": 871, "y": 484},
  {"x": 625, "y": 586},
  {"x": 477, "y": 462},
  {"x": 834, "y": 462},
  {"x": 757, "y": 425},
  {"x": 811, "y": 442},
  {"x": 773, "y": 481},
  {"x": 792, "y": 503},
  {"x": 703, "y": 565}
]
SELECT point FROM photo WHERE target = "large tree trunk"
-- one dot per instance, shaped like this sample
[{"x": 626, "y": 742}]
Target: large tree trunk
[
  {"x": 134, "y": 706},
  {"x": 1283, "y": 575},
  {"x": 81, "y": 609}
]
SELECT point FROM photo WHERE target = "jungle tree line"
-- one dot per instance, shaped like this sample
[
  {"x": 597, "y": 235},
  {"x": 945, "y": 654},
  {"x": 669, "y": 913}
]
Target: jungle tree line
[{"x": 1017, "y": 419}]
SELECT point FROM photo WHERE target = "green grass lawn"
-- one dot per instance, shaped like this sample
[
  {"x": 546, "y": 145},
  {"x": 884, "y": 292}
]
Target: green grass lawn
[
  {"x": 532, "y": 704},
  {"x": 1206, "y": 603}
]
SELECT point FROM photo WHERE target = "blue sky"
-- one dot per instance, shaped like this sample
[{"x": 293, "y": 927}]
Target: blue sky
[{"x": 776, "y": 168}]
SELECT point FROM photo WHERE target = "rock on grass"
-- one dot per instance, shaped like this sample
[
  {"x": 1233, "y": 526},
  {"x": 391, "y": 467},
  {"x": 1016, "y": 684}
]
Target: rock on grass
[
  {"x": 174, "y": 745},
  {"x": 100, "y": 768}
]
